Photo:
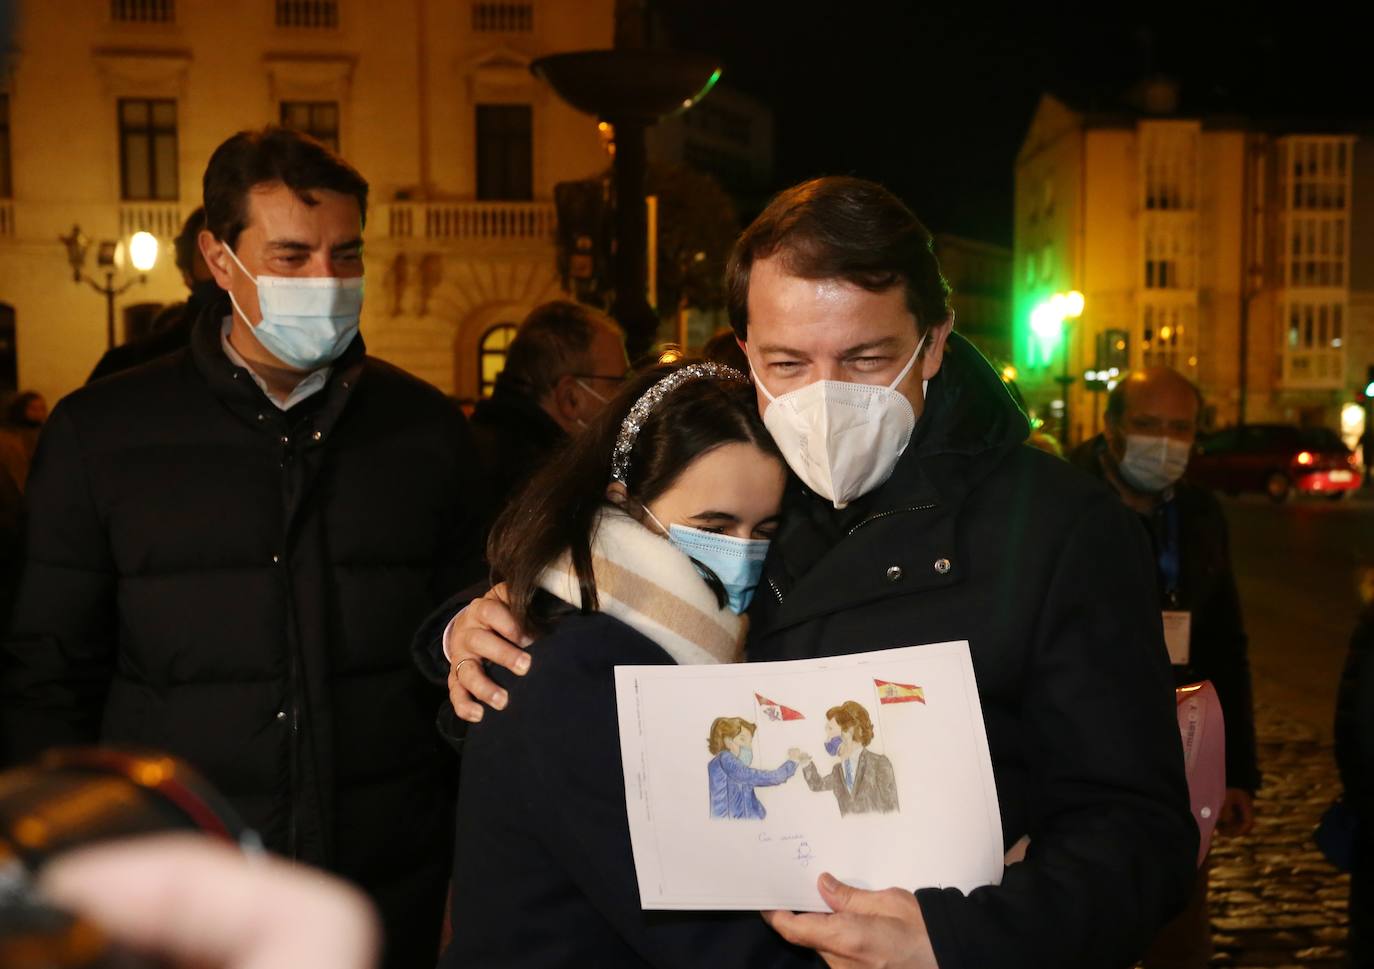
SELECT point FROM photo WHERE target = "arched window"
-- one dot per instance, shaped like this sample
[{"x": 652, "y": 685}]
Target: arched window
[
  {"x": 9, "y": 351},
  {"x": 491, "y": 356}
]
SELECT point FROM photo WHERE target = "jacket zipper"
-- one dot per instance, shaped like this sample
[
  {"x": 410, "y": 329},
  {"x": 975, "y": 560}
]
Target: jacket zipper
[{"x": 885, "y": 514}]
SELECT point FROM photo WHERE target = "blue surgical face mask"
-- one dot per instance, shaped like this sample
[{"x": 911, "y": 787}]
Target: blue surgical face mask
[
  {"x": 746, "y": 755},
  {"x": 832, "y": 746},
  {"x": 307, "y": 321},
  {"x": 736, "y": 562}
]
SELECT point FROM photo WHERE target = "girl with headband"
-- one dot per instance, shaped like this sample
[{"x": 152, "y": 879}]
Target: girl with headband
[{"x": 640, "y": 543}]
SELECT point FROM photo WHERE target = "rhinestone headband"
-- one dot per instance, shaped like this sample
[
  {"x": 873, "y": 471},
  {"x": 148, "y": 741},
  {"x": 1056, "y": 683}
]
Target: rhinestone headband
[{"x": 639, "y": 413}]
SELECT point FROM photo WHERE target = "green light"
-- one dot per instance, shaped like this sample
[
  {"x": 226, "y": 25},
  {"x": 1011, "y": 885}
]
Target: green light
[{"x": 705, "y": 89}]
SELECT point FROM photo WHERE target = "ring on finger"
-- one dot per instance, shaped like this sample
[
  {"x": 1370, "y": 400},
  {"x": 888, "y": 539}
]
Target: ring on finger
[{"x": 458, "y": 669}]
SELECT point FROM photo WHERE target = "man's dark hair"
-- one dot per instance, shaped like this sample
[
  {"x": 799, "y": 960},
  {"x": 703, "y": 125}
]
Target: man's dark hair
[
  {"x": 554, "y": 340},
  {"x": 269, "y": 157},
  {"x": 840, "y": 227},
  {"x": 186, "y": 242}
]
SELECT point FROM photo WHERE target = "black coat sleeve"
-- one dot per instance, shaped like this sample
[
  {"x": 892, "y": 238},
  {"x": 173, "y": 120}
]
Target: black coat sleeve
[
  {"x": 1112, "y": 843},
  {"x": 1220, "y": 652},
  {"x": 59, "y": 654}
]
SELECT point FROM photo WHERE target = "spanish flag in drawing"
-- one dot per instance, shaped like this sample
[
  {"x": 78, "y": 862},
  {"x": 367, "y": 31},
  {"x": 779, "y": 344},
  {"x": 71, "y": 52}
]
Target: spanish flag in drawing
[{"x": 899, "y": 692}]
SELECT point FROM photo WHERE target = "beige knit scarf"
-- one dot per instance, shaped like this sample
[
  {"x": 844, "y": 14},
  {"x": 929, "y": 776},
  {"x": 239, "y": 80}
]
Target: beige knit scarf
[{"x": 643, "y": 580}]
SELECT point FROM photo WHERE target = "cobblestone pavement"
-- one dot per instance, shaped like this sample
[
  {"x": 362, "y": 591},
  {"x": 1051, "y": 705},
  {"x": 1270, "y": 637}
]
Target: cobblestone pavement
[{"x": 1275, "y": 901}]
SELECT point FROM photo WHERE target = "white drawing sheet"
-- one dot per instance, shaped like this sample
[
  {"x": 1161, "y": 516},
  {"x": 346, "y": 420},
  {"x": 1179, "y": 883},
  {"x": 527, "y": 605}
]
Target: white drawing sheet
[{"x": 922, "y": 810}]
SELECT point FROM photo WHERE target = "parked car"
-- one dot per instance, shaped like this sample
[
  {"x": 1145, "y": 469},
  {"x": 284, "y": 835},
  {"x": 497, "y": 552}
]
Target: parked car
[{"x": 1275, "y": 459}]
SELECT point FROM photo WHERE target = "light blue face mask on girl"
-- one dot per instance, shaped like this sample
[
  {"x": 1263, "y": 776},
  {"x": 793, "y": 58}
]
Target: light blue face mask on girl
[
  {"x": 736, "y": 562},
  {"x": 307, "y": 321}
]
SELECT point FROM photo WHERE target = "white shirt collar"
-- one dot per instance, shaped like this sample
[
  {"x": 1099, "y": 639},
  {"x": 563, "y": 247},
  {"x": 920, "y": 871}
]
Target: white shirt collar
[{"x": 312, "y": 383}]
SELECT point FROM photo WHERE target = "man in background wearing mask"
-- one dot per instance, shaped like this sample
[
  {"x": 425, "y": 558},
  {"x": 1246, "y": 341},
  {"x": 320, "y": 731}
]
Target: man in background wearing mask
[
  {"x": 229, "y": 548},
  {"x": 918, "y": 515},
  {"x": 566, "y": 361},
  {"x": 172, "y": 328},
  {"x": 1152, "y": 419}
]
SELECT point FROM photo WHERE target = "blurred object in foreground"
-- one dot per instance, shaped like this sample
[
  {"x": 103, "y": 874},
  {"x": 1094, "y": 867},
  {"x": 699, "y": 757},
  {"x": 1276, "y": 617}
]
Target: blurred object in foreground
[{"x": 75, "y": 798}]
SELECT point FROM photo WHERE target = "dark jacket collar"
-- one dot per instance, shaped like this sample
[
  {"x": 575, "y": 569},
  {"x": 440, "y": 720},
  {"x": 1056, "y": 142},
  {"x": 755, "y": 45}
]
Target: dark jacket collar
[
  {"x": 237, "y": 390},
  {"x": 969, "y": 424}
]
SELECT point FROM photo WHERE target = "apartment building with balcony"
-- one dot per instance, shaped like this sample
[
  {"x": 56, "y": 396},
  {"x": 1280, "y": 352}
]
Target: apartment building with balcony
[
  {"x": 1240, "y": 252},
  {"x": 109, "y": 110}
]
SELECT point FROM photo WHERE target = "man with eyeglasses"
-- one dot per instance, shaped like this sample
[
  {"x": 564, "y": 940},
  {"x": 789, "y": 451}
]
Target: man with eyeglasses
[{"x": 566, "y": 362}]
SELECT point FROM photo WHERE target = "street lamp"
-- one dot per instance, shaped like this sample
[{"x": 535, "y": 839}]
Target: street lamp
[
  {"x": 1049, "y": 322},
  {"x": 109, "y": 258}
]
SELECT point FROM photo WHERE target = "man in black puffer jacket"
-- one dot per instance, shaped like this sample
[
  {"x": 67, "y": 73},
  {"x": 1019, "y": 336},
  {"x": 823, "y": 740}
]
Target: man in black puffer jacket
[{"x": 228, "y": 549}]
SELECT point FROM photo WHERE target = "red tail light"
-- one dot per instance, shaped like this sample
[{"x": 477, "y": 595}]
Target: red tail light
[{"x": 1304, "y": 457}]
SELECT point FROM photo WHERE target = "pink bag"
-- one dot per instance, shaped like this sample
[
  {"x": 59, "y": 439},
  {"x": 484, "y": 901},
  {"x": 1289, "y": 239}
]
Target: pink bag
[{"x": 1204, "y": 756}]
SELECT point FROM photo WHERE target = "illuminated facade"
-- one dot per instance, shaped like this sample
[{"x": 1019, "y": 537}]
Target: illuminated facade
[
  {"x": 1203, "y": 244},
  {"x": 109, "y": 110},
  {"x": 979, "y": 275}
]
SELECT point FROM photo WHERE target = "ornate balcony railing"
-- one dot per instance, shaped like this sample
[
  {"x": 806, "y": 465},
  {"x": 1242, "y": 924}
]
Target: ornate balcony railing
[
  {"x": 471, "y": 221},
  {"x": 162, "y": 219}
]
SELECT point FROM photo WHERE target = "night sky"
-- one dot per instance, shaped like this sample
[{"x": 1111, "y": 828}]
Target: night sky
[{"x": 933, "y": 101}]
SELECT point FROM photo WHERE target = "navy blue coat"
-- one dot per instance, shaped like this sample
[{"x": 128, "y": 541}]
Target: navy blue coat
[{"x": 544, "y": 874}]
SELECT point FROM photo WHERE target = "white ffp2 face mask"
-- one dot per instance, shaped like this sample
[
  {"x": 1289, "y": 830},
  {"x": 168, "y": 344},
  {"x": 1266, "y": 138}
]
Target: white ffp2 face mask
[
  {"x": 842, "y": 439},
  {"x": 1152, "y": 464}
]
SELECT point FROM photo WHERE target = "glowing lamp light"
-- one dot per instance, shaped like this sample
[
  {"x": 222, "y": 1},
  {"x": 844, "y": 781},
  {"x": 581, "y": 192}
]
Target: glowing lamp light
[
  {"x": 1304, "y": 457},
  {"x": 669, "y": 355},
  {"x": 1009, "y": 373},
  {"x": 1059, "y": 305},
  {"x": 1045, "y": 323},
  {"x": 143, "y": 251},
  {"x": 1073, "y": 304}
]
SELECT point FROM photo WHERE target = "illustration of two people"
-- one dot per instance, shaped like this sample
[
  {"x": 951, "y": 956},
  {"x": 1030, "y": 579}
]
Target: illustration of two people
[{"x": 862, "y": 781}]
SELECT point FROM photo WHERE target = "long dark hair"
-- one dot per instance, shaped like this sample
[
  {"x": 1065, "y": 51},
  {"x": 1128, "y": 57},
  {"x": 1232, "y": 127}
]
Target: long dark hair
[{"x": 558, "y": 508}]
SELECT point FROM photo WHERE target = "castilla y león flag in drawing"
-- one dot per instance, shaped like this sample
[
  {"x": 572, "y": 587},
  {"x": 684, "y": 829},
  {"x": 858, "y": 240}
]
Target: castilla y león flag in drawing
[
  {"x": 899, "y": 692},
  {"x": 776, "y": 711}
]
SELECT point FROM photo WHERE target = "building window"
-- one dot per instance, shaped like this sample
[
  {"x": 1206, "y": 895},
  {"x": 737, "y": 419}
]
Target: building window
[
  {"x": 1314, "y": 343},
  {"x": 6, "y": 180},
  {"x": 143, "y": 11},
  {"x": 1316, "y": 251},
  {"x": 1170, "y": 256},
  {"x": 1167, "y": 336},
  {"x": 503, "y": 18},
  {"x": 1169, "y": 166},
  {"x": 148, "y": 149},
  {"x": 9, "y": 356},
  {"x": 505, "y": 152},
  {"x": 491, "y": 356},
  {"x": 1317, "y": 171},
  {"x": 318, "y": 14},
  {"x": 318, "y": 119}
]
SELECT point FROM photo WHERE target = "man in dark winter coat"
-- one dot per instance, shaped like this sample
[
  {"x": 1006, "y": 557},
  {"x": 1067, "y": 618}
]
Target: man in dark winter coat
[
  {"x": 229, "y": 548},
  {"x": 1151, "y": 427},
  {"x": 561, "y": 368},
  {"x": 953, "y": 529}
]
